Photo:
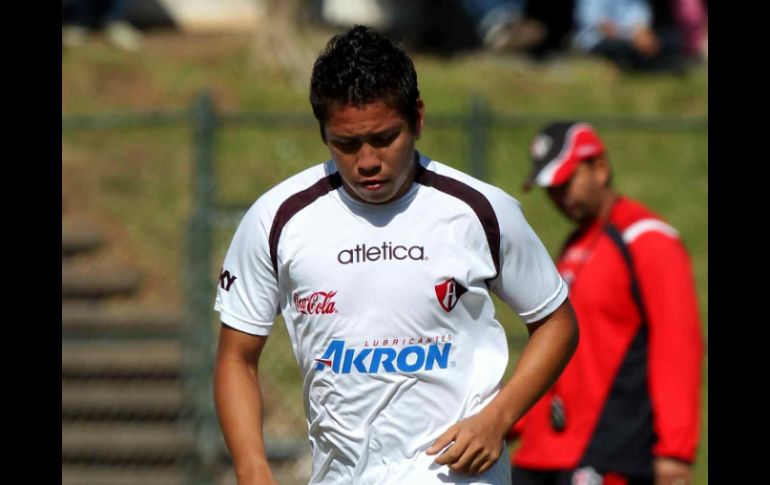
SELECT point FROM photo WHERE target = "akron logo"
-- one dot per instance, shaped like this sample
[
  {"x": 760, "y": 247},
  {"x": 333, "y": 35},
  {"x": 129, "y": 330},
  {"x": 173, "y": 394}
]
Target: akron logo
[
  {"x": 412, "y": 358},
  {"x": 449, "y": 293}
]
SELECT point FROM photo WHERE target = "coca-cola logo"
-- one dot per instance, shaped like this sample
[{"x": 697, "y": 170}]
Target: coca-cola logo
[{"x": 317, "y": 303}]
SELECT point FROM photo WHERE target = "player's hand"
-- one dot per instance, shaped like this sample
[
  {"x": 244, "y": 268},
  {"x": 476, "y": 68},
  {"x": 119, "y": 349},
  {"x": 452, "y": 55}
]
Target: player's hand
[
  {"x": 672, "y": 472},
  {"x": 476, "y": 444},
  {"x": 646, "y": 42}
]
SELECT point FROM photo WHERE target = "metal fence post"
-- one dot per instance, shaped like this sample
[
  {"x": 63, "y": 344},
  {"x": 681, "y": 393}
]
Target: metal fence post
[
  {"x": 478, "y": 129},
  {"x": 200, "y": 340}
]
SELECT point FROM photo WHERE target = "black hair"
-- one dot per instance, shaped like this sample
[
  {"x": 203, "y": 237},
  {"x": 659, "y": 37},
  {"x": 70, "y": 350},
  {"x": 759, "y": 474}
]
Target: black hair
[{"x": 361, "y": 67}]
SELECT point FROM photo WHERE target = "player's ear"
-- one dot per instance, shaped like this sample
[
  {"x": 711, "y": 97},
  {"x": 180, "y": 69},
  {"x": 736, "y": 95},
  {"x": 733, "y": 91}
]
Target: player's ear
[
  {"x": 420, "y": 117},
  {"x": 603, "y": 166},
  {"x": 323, "y": 133},
  {"x": 603, "y": 170}
]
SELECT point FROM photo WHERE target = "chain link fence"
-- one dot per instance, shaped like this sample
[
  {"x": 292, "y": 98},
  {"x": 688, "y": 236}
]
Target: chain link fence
[{"x": 223, "y": 161}]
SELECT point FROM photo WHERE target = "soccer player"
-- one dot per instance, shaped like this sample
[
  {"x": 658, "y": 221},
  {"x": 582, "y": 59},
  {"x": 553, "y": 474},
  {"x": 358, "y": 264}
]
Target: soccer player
[
  {"x": 626, "y": 408},
  {"x": 381, "y": 261}
]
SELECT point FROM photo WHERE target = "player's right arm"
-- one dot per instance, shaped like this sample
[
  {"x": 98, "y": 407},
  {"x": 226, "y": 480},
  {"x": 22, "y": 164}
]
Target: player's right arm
[{"x": 238, "y": 401}]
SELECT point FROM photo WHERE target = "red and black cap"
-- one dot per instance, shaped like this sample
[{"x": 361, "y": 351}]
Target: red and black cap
[{"x": 557, "y": 150}]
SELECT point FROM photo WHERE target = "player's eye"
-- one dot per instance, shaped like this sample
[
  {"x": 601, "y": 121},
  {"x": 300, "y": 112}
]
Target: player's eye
[
  {"x": 347, "y": 145},
  {"x": 384, "y": 140}
]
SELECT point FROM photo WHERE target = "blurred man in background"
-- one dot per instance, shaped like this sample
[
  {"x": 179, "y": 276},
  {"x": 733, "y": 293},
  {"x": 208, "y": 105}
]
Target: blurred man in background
[
  {"x": 381, "y": 262},
  {"x": 627, "y": 33},
  {"x": 82, "y": 18},
  {"x": 502, "y": 24},
  {"x": 626, "y": 408}
]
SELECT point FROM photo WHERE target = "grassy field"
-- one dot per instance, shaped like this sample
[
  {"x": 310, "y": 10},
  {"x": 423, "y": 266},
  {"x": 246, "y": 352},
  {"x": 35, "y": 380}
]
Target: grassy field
[{"x": 138, "y": 182}]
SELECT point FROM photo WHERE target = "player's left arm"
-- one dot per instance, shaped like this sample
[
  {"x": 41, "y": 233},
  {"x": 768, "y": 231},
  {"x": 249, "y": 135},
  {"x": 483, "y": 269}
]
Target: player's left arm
[
  {"x": 476, "y": 442},
  {"x": 675, "y": 352}
]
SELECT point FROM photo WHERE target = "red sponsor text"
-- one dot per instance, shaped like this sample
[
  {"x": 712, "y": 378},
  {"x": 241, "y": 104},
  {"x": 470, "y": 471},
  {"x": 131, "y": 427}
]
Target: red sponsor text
[{"x": 318, "y": 303}]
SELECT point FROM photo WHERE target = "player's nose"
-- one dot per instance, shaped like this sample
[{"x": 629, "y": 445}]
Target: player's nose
[{"x": 369, "y": 162}]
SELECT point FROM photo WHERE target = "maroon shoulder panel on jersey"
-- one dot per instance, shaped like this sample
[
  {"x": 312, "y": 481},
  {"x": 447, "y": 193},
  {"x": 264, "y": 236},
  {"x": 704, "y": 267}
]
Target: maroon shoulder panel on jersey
[
  {"x": 296, "y": 203},
  {"x": 475, "y": 199}
]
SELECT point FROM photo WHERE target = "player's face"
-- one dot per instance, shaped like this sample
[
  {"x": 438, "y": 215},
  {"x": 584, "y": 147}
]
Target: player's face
[
  {"x": 373, "y": 147},
  {"x": 581, "y": 197}
]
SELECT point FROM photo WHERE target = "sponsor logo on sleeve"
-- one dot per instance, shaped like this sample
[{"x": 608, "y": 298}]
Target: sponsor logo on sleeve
[{"x": 226, "y": 279}]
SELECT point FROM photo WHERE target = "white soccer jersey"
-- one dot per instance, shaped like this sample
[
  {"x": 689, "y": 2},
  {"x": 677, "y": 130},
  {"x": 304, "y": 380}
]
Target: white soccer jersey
[{"x": 388, "y": 311}]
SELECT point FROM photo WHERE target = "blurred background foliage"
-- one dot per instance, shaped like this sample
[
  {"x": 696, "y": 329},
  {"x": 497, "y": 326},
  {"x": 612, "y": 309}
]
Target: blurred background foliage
[{"x": 138, "y": 182}]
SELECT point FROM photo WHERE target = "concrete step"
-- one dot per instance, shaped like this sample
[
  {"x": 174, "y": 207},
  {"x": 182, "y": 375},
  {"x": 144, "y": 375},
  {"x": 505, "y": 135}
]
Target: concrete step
[
  {"x": 132, "y": 442},
  {"x": 134, "y": 399},
  {"x": 157, "y": 358},
  {"x": 89, "y": 283},
  {"x": 121, "y": 475},
  {"x": 79, "y": 237},
  {"x": 81, "y": 319}
]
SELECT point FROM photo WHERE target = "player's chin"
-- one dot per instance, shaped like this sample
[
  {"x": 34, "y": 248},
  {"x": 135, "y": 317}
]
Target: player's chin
[{"x": 575, "y": 214}]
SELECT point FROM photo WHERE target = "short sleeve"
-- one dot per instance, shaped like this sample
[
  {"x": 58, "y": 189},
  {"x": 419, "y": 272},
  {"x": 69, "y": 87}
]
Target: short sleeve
[
  {"x": 528, "y": 280},
  {"x": 247, "y": 292}
]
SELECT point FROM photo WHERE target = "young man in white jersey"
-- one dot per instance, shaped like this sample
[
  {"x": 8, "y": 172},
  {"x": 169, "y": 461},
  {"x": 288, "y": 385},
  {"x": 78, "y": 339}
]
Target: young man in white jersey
[{"x": 381, "y": 262}]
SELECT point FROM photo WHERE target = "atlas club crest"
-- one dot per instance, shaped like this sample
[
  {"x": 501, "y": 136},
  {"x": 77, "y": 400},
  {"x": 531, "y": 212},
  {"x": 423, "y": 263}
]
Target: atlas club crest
[{"x": 449, "y": 293}]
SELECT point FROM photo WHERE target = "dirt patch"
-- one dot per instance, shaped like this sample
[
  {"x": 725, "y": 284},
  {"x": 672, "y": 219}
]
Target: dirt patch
[{"x": 198, "y": 48}]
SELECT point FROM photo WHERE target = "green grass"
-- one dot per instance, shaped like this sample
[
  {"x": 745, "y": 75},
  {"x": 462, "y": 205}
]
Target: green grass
[{"x": 141, "y": 179}]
